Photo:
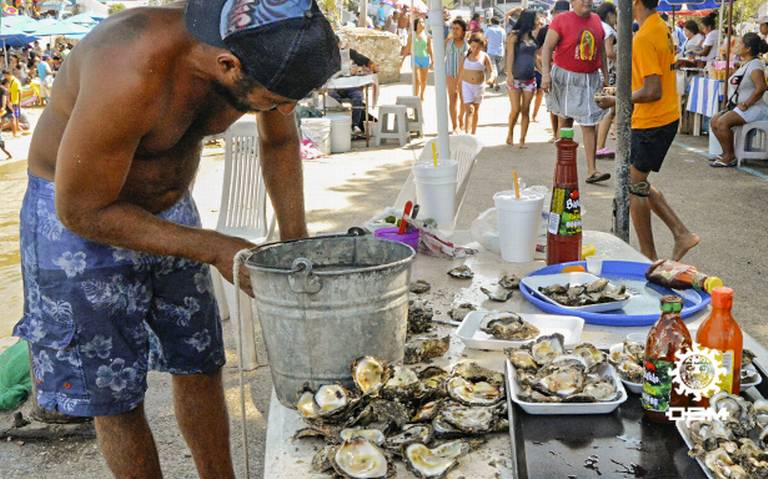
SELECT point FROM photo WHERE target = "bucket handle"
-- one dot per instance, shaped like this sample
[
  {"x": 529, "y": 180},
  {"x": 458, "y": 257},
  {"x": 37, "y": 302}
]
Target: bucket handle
[{"x": 302, "y": 279}]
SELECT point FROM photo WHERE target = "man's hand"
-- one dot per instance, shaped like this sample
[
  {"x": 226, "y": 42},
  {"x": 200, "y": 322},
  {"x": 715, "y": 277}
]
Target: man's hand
[
  {"x": 546, "y": 82},
  {"x": 224, "y": 262},
  {"x": 605, "y": 101}
]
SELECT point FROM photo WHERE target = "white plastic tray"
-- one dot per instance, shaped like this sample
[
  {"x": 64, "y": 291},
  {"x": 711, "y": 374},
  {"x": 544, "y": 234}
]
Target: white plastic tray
[
  {"x": 562, "y": 408},
  {"x": 469, "y": 329},
  {"x": 682, "y": 428},
  {"x": 535, "y": 282}
]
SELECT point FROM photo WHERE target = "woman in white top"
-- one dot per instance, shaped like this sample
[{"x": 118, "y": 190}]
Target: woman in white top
[
  {"x": 472, "y": 72},
  {"x": 692, "y": 45},
  {"x": 747, "y": 86},
  {"x": 712, "y": 34}
]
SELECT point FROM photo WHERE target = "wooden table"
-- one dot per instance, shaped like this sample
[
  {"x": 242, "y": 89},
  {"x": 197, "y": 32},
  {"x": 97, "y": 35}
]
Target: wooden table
[{"x": 285, "y": 458}]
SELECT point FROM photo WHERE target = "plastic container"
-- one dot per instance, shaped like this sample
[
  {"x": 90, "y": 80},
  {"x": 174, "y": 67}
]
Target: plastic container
[
  {"x": 471, "y": 335},
  {"x": 410, "y": 237},
  {"x": 518, "y": 223},
  {"x": 341, "y": 132},
  {"x": 436, "y": 191},
  {"x": 319, "y": 131}
]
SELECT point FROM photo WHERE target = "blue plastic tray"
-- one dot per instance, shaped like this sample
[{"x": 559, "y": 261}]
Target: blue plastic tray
[{"x": 643, "y": 308}]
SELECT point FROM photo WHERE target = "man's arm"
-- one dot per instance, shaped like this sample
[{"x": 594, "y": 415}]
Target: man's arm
[
  {"x": 282, "y": 171},
  {"x": 94, "y": 159},
  {"x": 550, "y": 42}
]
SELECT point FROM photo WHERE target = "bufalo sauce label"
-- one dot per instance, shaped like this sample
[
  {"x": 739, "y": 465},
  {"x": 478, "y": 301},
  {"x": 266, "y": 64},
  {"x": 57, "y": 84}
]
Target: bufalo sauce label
[
  {"x": 657, "y": 384},
  {"x": 565, "y": 212}
]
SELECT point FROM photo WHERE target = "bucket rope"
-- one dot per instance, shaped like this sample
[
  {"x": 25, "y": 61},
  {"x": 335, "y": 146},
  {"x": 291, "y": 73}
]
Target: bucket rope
[{"x": 238, "y": 261}]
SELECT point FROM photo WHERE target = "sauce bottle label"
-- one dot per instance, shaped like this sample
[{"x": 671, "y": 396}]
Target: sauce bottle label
[
  {"x": 657, "y": 385},
  {"x": 565, "y": 212},
  {"x": 726, "y": 380}
]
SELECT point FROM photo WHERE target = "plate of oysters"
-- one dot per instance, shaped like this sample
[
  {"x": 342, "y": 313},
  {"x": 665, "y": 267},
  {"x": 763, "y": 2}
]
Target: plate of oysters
[
  {"x": 545, "y": 377},
  {"x": 735, "y": 444},
  {"x": 578, "y": 291},
  {"x": 627, "y": 359},
  {"x": 495, "y": 331}
]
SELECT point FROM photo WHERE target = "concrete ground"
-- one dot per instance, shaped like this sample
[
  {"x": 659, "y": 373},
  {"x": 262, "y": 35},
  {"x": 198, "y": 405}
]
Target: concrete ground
[{"x": 723, "y": 206}]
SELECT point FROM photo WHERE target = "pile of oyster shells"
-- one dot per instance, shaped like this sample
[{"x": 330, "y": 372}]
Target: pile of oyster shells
[
  {"x": 427, "y": 418},
  {"x": 734, "y": 447},
  {"x": 629, "y": 361},
  {"x": 599, "y": 291},
  {"x": 546, "y": 372}
]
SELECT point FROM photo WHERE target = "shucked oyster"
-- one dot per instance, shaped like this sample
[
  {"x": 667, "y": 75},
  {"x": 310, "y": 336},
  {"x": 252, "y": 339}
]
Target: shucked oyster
[
  {"x": 373, "y": 435},
  {"x": 402, "y": 383},
  {"x": 462, "y": 272},
  {"x": 410, "y": 434},
  {"x": 497, "y": 294},
  {"x": 521, "y": 358},
  {"x": 722, "y": 465},
  {"x": 458, "y": 313},
  {"x": 329, "y": 402},
  {"x": 359, "y": 458},
  {"x": 474, "y": 372},
  {"x": 420, "y": 350},
  {"x": 591, "y": 355},
  {"x": 739, "y": 419},
  {"x": 433, "y": 381},
  {"x": 510, "y": 327},
  {"x": 434, "y": 463},
  {"x": 479, "y": 393},
  {"x": 370, "y": 374},
  {"x": 470, "y": 419},
  {"x": 561, "y": 380},
  {"x": 547, "y": 348},
  {"x": 509, "y": 281}
]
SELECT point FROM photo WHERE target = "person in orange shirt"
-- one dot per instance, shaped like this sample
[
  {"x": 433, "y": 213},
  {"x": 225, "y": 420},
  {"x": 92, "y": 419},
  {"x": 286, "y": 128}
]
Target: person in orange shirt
[
  {"x": 14, "y": 92},
  {"x": 655, "y": 120}
]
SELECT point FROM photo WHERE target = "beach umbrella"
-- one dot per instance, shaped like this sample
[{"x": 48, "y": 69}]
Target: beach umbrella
[
  {"x": 16, "y": 20},
  {"x": 84, "y": 19},
  {"x": 60, "y": 28}
]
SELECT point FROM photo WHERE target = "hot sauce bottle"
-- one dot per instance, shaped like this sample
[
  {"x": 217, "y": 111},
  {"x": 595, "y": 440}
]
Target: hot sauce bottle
[
  {"x": 668, "y": 336},
  {"x": 564, "y": 226},
  {"x": 721, "y": 332}
]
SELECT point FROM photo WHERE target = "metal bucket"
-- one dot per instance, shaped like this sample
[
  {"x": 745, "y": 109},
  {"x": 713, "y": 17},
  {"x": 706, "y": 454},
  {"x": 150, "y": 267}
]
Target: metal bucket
[{"x": 324, "y": 302}]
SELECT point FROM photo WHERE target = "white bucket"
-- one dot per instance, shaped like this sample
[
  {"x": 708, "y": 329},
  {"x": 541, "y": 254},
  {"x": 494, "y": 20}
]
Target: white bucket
[
  {"x": 518, "y": 223},
  {"x": 319, "y": 131},
  {"x": 341, "y": 132},
  {"x": 436, "y": 191}
]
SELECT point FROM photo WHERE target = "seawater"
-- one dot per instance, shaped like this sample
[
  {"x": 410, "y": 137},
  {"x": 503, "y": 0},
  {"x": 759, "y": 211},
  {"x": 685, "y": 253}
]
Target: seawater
[{"x": 13, "y": 183}]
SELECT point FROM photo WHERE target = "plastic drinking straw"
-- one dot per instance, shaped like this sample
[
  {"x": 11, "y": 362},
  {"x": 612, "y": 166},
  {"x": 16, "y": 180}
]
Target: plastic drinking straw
[
  {"x": 403, "y": 222},
  {"x": 517, "y": 184},
  {"x": 434, "y": 153}
]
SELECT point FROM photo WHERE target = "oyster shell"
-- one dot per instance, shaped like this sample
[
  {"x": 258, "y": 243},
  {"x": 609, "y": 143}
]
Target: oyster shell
[
  {"x": 479, "y": 393},
  {"x": 547, "y": 348},
  {"x": 370, "y": 374},
  {"x": 509, "y": 281},
  {"x": 746, "y": 357},
  {"x": 387, "y": 412},
  {"x": 427, "y": 411},
  {"x": 739, "y": 419},
  {"x": 443, "y": 430},
  {"x": 419, "y": 287},
  {"x": 375, "y": 436},
  {"x": 561, "y": 380},
  {"x": 722, "y": 466},
  {"x": 599, "y": 391},
  {"x": 459, "y": 312},
  {"x": 469, "y": 419},
  {"x": 433, "y": 380},
  {"x": 474, "y": 372},
  {"x": 461, "y": 272},
  {"x": 402, "y": 382},
  {"x": 597, "y": 285},
  {"x": 630, "y": 371},
  {"x": 419, "y": 318},
  {"x": 420, "y": 350},
  {"x": 521, "y": 358},
  {"x": 497, "y": 294},
  {"x": 509, "y": 327},
  {"x": 591, "y": 355},
  {"x": 329, "y": 403},
  {"x": 410, "y": 434},
  {"x": 709, "y": 434},
  {"x": 598, "y": 291},
  {"x": 359, "y": 458},
  {"x": 635, "y": 350},
  {"x": 434, "y": 463},
  {"x": 321, "y": 461},
  {"x": 760, "y": 412}
]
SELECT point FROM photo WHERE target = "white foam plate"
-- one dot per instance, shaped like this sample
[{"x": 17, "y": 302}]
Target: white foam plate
[
  {"x": 682, "y": 428},
  {"x": 470, "y": 334},
  {"x": 563, "y": 408},
  {"x": 545, "y": 280},
  {"x": 636, "y": 388}
]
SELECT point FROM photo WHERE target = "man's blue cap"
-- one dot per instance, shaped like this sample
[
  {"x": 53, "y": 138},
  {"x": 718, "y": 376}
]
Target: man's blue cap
[{"x": 287, "y": 46}]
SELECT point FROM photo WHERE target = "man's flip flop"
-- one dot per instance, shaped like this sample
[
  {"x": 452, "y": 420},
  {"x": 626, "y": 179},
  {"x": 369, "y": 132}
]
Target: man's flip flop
[
  {"x": 719, "y": 163},
  {"x": 598, "y": 177}
]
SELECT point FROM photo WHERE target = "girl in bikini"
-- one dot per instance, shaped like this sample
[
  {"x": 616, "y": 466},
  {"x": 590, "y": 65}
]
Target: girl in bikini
[{"x": 472, "y": 73}]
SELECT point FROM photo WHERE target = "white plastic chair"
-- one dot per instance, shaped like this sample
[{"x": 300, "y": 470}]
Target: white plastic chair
[
  {"x": 750, "y": 141},
  {"x": 244, "y": 212},
  {"x": 464, "y": 149}
]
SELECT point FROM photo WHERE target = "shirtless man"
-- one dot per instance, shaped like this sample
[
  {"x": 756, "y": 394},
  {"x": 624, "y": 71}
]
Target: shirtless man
[{"x": 115, "y": 264}]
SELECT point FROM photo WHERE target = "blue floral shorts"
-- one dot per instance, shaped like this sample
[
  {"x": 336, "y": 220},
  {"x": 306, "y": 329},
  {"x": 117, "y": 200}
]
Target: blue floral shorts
[{"x": 98, "y": 317}]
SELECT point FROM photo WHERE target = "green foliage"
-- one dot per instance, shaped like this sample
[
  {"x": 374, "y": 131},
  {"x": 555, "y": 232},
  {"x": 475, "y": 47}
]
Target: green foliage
[
  {"x": 115, "y": 8},
  {"x": 744, "y": 10}
]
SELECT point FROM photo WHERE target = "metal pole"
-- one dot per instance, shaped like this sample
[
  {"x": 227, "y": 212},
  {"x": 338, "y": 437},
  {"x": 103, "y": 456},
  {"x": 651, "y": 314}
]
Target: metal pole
[
  {"x": 623, "y": 118},
  {"x": 441, "y": 91},
  {"x": 362, "y": 20},
  {"x": 728, "y": 48}
]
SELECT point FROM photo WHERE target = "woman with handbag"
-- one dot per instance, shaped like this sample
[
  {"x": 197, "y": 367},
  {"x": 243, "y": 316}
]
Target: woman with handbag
[{"x": 746, "y": 104}]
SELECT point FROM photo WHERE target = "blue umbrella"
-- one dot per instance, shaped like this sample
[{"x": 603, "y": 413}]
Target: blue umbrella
[
  {"x": 60, "y": 28},
  {"x": 14, "y": 37},
  {"x": 16, "y": 21},
  {"x": 84, "y": 19},
  {"x": 678, "y": 5}
]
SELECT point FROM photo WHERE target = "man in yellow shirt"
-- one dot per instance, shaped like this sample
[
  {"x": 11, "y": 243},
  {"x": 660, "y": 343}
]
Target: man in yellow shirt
[
  {"x": 654, "y": 124},
  {"x": 14, "y": 91}
]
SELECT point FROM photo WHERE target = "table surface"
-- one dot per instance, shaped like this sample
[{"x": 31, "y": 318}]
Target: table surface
[
  {"x": 355, "y": 81},
  {"x": 286, "y": 458}
]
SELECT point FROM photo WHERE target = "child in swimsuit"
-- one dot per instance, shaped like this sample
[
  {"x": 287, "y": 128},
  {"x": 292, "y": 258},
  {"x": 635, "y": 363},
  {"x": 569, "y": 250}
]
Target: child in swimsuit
[{"x": 473, "y": 72}]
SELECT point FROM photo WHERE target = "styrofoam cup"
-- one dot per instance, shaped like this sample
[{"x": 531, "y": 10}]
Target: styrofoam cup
[
  {"x": 518, "y": 224},
  {"x": 436, "y": 191}
]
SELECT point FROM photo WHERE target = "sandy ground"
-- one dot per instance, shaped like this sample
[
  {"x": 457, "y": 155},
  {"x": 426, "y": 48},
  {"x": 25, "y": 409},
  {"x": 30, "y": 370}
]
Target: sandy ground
[{"x": 724, "y": 207}]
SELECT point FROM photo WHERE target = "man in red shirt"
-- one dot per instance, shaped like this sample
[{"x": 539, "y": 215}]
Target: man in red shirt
[{"x": 575, "y": 42}]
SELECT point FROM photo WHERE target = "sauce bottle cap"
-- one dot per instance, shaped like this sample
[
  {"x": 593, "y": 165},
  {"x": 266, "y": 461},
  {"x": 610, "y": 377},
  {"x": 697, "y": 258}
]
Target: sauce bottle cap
[
  {"x": 722, "y": 297},
  {"x": 671, "y": 304},
  {"x": 566, "y": 133},
  {"x": 711, "y": 283}
]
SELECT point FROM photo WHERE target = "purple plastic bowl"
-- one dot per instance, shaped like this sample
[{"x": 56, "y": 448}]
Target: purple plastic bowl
[{"x": 411, "y": 237}]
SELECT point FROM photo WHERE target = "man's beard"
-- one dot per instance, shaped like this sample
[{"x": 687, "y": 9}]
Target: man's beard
[{"x": 236, "y": 95}]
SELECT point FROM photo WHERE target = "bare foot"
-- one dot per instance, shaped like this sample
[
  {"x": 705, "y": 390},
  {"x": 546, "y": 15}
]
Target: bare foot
[
  {"x": 522, "y": 146},
  {"x": 552, "y": 140},
  {"x": 510, "y": 141},
  {"x": 684, "y": 244}
]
